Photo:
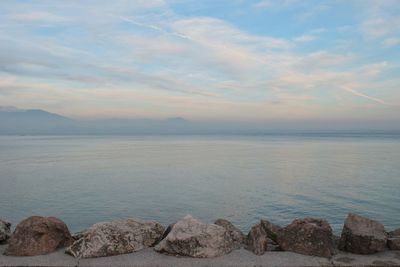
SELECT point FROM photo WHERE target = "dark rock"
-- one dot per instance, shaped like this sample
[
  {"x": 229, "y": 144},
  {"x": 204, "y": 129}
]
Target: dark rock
[
  {"x": 307, "y": 236},
  {"x": 394, "y": 233},
  {"x": 189, "y": 237},
  {"x": 361, "y": 235},
  {"x": 115, "y": 238},
  {"x": 5, "y": 231},
  {"x": 237, "y": 235},
  {"x": 335, "y": 244},
  {"x": 394, "y": 243},
  {"x": 167, "y": 231},
  {"x": 257, "y": 240},
  {"x": 271, "y": 229},
  {"x": 78, "y": 235},
  {"x": 37, "y": 236},
  {"x": 272, "y": 245},
  {"x": 394, "y": 240}
]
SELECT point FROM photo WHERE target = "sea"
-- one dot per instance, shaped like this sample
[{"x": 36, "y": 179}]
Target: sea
[{"x": 243, "y": 178}]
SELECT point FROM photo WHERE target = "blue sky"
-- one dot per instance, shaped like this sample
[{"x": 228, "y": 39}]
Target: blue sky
[{"x": 235, "y": 60}]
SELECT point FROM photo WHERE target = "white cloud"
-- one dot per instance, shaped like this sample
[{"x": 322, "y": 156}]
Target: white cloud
[
  {"x": 392, "y": 41},
  {"x": 272, "y": 4},
  {"x": 309, "y": 36},
  {"x": 37, "y": 16},
  {"x": 304, "y": 38},
  {"x": 381, "y": 21}
]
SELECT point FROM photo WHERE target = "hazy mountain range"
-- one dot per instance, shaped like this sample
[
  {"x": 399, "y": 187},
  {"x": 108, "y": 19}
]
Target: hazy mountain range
[
  {"x": 36, "y": 121},
  {"x": 14, "y": 121}
]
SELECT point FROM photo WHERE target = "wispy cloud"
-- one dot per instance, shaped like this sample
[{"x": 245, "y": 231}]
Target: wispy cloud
[
  {"x": 271, "y": 4},
  {"x": 173, "y": 58}
]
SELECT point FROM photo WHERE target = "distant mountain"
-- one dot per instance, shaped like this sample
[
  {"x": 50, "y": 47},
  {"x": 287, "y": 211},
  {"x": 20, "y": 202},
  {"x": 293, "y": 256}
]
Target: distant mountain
[
  {"x": 35, "y": 114},
  {"x": 14, "y": 121},
  {"x": 35, "y": 121}
]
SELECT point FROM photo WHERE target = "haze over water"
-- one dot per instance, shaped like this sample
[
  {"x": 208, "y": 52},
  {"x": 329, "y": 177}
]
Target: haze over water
[{"x": 87, "y": 179}]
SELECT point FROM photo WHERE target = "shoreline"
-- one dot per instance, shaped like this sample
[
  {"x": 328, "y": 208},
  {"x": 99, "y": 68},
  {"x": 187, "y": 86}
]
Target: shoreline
[
  {"x": 237, "y": 258},
  {"x": 189, "y": 242}
]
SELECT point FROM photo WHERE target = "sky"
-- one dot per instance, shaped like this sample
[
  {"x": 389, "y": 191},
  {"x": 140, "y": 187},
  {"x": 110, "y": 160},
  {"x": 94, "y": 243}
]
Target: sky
[{"x": 227, "y": 60}]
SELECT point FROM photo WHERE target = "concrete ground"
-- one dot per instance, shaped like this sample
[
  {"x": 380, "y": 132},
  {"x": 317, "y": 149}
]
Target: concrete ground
[{"x": 238, "y": 258}]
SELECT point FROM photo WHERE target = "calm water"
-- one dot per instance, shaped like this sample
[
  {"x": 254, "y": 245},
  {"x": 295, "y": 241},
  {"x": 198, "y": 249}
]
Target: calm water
[{"x": 83, "y": 180}]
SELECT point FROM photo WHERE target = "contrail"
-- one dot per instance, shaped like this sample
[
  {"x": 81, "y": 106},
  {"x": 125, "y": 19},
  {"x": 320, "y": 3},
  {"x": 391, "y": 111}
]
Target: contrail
[
  {"x": 187, "y": 37},
  {"x": 356, "y": 93},
  {"x": 156, "y": 28}
]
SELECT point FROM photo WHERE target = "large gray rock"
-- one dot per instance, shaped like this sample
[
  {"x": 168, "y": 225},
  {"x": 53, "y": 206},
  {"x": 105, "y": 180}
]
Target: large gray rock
[
  {"x": 257, "y": 240},
  {"x": 116, "y": 237},
  {"x": 237, "y": 235},
  {"x": 307, "y": 236},
  {"x": 361, "y": 235},
  {"x": 271, "y": 229},
  {"x": 5, "y": 231},
  {"x": 38, "y": 235},
  {"x": 190, "y": 237}
]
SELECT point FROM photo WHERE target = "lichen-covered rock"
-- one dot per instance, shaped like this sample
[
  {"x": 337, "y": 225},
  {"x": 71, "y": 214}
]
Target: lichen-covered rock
[
  {"x": 271, "y": 229},
  {"x": 37, "y": 236},
  {"x": 257, "y": 240},
  {"x": 361, "y": 235},
  {"x": 190, "y": 237},
  {"x": 116, "y": 237},
  {"x": 307, "y": 236},
  {"x": 237, "y": 235},
  {"x": 5, "y": 231}
]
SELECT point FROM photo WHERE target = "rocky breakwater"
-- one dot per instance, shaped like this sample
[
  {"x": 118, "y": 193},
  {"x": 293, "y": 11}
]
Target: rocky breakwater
[
  {"x": 116, "y": 237},
  {"x": 38, "y": 235},
  {"x": 191, "y": 238}
]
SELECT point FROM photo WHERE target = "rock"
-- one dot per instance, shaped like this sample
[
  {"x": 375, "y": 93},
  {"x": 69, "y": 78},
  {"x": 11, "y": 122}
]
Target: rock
[
  {"x": 190, "y": 237},
  {"x": 257, "y": 240},
  {"x": 394, "y": 243},
  {"x": 394, "y": 233},
  {"x": 271, "y": 229},
  {"x": 307, "y": 236},
  {"x": 167, "y": 231},
  {"x": 37, "y": 236},
  {"x": 361, "y": 235},
  {"x": 237, "y": 235},
  {"x": 394, "y": 240},
  {"x": 335, "y": 244},
  {"x": 272, "y": 245},
  {"x": 78, "y": 235},
  {"x": 5, "y": 231},
  {"x": 116, "y": 237}
]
